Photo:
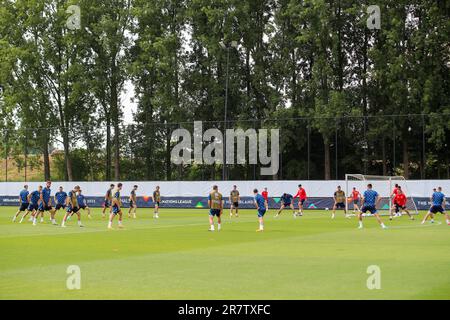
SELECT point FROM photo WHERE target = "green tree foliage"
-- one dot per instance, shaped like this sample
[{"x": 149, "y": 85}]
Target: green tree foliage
[{"x": 311, "y": 68}]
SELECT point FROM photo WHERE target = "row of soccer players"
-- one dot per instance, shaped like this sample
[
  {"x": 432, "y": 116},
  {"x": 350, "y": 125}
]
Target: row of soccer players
[
  {"x": 37, "y": 202},
  {"x": 369, "y": 200},
  {"x": 40, "y": 200},
  {"x": 156, "y": 198},
  {"x": 398, "y": 198}
]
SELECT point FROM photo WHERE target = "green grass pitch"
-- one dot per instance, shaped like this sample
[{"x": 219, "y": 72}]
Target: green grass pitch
[{"x": 175, "y": 257}]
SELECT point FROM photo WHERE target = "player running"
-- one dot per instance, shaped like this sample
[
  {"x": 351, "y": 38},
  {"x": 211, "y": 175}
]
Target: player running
[
  {"x": 393, "y": 194},
  {"x": 108, "y": 198},
  {"x": 24, "y": 203},
  {"x": 34, "y": 199},
  {"x": 301, "y": 194},
  {"x": 260, "y": 204},
  {"x": 339, "y": 201},
  {"x": 286, "y": 201},
  {"x": 234, "y": 200},
  {"x": 215, "y": 203},
  {"x": 356, "y": 198},
  {"x": 438, "y": 205},
  {"x": 400, "y": 205},
  {"x": 46, "y": 203},
  {"x": 116, "y": 206},
  {"x": 156, "y": 199},
  {"x": 265, "y": 195},
  {"x": 82, "y": 203},
  {"x": 60, "y": 199},
  {"x": 72, "y": 207},
  {"x": 133, "y": 205},
  {"x": 370, "y": 200}
]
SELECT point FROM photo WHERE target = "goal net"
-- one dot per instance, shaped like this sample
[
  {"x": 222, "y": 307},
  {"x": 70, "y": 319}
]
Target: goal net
[{"x": 384, "y": 185}]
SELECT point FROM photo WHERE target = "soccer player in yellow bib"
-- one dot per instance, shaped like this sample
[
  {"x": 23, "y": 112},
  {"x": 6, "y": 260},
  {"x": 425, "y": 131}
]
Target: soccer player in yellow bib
[
  {"x": 133, "y": 200},
  {"x": 72, "y": 206},
  {"x": 116, "y": 206},
  {"x": 215, "y": 203},
  {"x": 156, "y": 199},
  {"x": 234, "y": 201},
  {"x": 339, "y": 201}
]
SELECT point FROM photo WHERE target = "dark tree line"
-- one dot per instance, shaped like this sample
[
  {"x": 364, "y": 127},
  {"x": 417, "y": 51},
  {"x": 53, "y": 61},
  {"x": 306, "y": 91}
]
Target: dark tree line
[{"x": 346, "y": 98}]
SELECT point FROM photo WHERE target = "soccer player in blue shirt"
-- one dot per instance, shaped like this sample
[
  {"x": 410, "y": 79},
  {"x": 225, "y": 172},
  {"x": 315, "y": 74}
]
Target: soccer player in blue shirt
[
  {"x": 60, "y": 199},
  {"x": 82, "y": 204},
  {"x": 116, "y": 206},
  {"x": 34, "y": 199},
  {"x": 46, "y": 203},
  {"x": 437, "y": 205},
  {"x": 23, "y": 201},
  {"x": 286, "y": 201},
  {"x": 370, "y": 200},
  {"x": 260, "y": 204}
]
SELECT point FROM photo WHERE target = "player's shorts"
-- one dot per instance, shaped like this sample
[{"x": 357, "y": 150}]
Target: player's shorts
[
  {"x": 340, "y": 205},
  {"x": 301, "y": 201},
  {"x": 107, "y": 204},
  {"x": 286, "y": 204},
  {"x": 261, "y": 213},
  {"x": 436, "y": 209},
  {"x": 43, "y": 207},
  {"x": 82, "y": 207},
  {"x": 371, "y": 209},
  {"x": 71, "y": 209},
  {"x": 33, "y": 206},
  {"x": 235, "y": 204},
  {"x": 24, "y": 206},
  {"x": 157, "y": 203},
  {"x": 115, "y": 209},
  {"x": 60, "y": 206},
  {"x": 399, "y": 207},
  {"x": 132, "y": 203},
  {"x": 214, "y": 212},
  {"x": 355, "y": 201}
]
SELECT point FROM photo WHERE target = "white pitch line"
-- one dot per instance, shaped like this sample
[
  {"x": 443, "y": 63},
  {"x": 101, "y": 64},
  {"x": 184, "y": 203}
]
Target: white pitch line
[{"x": 416, "y": 226}]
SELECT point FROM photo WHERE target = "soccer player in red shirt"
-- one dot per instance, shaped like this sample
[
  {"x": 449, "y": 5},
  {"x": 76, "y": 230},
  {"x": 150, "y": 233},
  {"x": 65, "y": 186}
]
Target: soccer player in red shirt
[
  {"x": 393, "y": 194},
  {"x": 265, "y": 195},
  {"x": 356, "y": 197},
  {"x": 301, "y": 194},
  {"x": 400, "y": 204}
]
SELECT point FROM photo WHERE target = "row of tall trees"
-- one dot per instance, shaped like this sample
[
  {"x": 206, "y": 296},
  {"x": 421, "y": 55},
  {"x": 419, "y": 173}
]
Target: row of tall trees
[{"x": 312, "y": 68}]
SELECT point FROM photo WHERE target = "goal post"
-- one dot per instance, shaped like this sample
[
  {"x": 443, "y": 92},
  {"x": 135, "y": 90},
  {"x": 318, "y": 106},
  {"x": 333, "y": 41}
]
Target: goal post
[{"x": 384, "y": 185}]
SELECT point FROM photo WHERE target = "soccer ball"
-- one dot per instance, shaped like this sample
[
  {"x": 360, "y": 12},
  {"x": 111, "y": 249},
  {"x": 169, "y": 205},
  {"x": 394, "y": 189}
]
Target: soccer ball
[{"x": 326, "y": 209}]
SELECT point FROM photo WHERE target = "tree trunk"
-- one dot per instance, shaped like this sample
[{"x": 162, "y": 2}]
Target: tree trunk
[
  {"x": 405, "y": 158},
  {"x": 46, "y": 158},
  {"x": 327, "y": 163},
  {"x": 66, "y": 145},
  {"x": 69, "y": 176},
  {"x": 115, "y": 118},
  {"x": 108, "y": 148},
  {"x": 168, "y": 164},
  {"x": 383, "y": 152}
]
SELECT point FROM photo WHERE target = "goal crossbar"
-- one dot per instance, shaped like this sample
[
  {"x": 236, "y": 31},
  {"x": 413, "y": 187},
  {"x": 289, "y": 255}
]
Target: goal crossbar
[{"x": 384, "y": 185}]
